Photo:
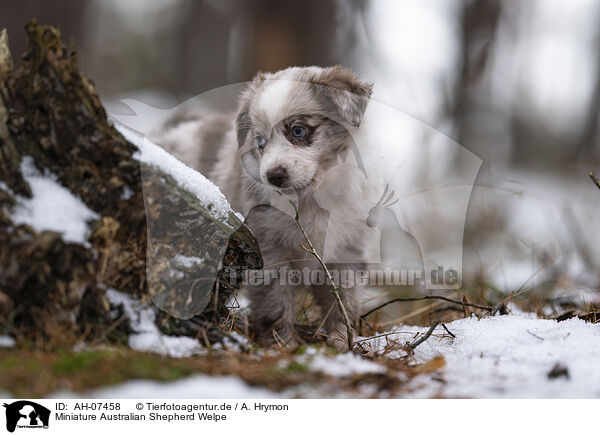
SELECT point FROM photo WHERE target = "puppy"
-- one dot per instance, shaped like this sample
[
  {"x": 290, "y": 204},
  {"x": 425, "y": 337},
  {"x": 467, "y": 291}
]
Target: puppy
[{"x": 288, "y": 141}]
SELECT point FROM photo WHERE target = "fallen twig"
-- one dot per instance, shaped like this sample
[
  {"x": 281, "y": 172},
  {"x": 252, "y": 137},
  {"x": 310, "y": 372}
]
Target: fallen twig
[
  {"x": 413, "y": 313},
  {"x": 425, "y": 336},
  {"x": 448, "y": 331},
  {"x": 536, "y": 336},
  {"x": 335, "y": 288},
  {"x": 387, "y": 334},
  {"x": 422, "y": 298}
]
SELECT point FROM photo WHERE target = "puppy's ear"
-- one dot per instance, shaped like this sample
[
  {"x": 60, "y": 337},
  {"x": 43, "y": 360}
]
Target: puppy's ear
[
  {"x": 348, "y": 94},
  {"x": 242, "y": 121}
]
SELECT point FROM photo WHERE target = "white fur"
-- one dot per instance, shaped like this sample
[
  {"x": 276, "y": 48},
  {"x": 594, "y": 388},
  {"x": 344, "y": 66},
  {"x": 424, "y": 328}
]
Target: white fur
[{"x": 272, "y": 100}]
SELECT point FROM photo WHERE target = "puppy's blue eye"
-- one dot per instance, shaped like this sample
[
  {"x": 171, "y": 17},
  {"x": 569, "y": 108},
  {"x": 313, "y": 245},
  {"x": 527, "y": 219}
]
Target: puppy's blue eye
[
  {"x": 261, "y": 141},
  {"x": 298, "y": 132}
]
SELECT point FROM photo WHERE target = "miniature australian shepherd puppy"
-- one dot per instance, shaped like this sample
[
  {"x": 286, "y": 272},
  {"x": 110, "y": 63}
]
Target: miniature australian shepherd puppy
[{"x": 287, "y": 141}]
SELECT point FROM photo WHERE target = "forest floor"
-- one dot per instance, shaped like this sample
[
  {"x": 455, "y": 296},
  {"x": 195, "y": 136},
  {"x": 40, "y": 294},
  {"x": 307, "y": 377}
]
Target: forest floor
[{"x": 517, "y": 355}]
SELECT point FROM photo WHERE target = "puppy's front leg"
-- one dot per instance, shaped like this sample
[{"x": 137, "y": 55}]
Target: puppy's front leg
[{"x": 272, "y": 310}]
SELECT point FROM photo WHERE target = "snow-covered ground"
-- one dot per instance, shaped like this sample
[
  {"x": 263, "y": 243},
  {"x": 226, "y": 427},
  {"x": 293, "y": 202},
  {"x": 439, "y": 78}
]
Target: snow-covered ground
[
  {"x": 511, "y": 356},
  {"x": 514, "y": 356},
  {"x": 508, "y": 357}
]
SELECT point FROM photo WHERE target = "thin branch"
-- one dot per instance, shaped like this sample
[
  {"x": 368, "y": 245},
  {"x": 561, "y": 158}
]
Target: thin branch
[
  {"x": 335, "y": 289},
  {"x": 422, "y": 298},
  {"x": 412, "y": 314},
  {"x": 595, "y": 180},
  {"x": 387, "y": 334},
  {"x": 425, "y": 336},
  {"x": 536, "y": 336},
  {"x": 448, "y": 331}
]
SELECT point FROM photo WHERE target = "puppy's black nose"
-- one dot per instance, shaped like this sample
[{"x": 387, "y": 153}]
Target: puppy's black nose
[{"x": 277, "y": 176}]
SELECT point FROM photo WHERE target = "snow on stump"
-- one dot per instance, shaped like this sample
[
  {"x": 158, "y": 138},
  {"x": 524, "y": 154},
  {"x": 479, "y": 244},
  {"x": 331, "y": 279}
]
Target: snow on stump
[
  {"x": 192, "y": 232},
  {"x": 74, "y": 200}
]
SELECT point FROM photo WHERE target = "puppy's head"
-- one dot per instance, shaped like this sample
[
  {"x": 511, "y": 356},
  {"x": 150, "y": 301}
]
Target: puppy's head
[{"x": 292, "y": 125}]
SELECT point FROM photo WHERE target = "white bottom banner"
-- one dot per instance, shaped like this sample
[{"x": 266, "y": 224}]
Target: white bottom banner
[{"x": 76, "y": 416}]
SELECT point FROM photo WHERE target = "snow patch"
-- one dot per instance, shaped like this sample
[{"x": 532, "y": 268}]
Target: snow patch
[
  {"x": 187, "y": 262},
  {"x": 236, "y": 342},
  {"x": 52, "y": 207},
  {"x": 194, "y": 387},
  {"x": 4, "y": 187},
  {"x": 146, "y": 336},
  {"x": 508, "y": 357},
  {"x": 344, "y": 364},
  {"x": 6, "y": 341},
  {"x": 127, "y": 193}
]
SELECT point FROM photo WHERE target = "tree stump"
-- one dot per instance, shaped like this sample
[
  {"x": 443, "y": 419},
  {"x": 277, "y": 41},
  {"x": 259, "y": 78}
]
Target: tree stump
[{"x": 49, "y": 287}]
